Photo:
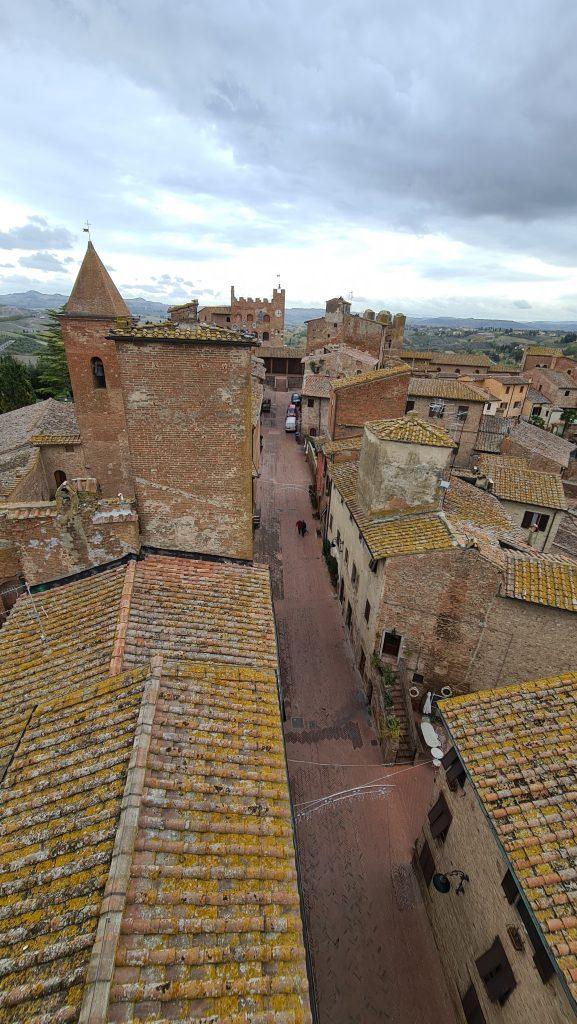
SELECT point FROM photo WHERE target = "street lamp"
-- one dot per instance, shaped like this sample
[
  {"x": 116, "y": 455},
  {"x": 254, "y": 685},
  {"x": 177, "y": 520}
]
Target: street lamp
[{"x": 442, "y": 882}]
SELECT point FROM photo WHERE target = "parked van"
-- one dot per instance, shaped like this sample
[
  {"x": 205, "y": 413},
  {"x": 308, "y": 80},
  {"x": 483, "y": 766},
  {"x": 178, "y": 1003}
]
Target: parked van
[{"x": 291, "y": 423}]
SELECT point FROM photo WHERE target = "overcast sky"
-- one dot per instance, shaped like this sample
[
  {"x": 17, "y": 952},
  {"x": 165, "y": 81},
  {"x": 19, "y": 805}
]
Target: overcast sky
[{"x": 420, "y": 154}]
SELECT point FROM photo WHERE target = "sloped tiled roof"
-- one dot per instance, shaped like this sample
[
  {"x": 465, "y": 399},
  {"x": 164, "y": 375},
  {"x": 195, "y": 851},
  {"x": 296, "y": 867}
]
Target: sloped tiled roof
[
  {"x": 541, "y": 350},
  {"x": 32, "y": 425},
  {"x": 413, "y": 353},
  {"x": 473, "y": 505},
  {"x": 518, "y": 744},
  {"x": 315, "y": 385},
  {"x": 60, "y": 807},
  {"x": 280, "y": 351},
  {"x": 344, "y": 444},
  {"x": 461, "y": 358},
  {"x": 446, "y": 387},
  {"x": 371, "y": 375},
  {"x": 513, "y": 481},
  {"x": 168, "y": 330},
  {"x": 94, "y": 292},
  {"x": 411, "y": 430},
  {"x": 560, "y": 380},
  {"x": 543, "y": 442},
  {"x": 178, "y": 766},
  {"x": 545, "y": 579},
  {"x": 213, "y": 878},
  {"x": 492, "y": 430}
]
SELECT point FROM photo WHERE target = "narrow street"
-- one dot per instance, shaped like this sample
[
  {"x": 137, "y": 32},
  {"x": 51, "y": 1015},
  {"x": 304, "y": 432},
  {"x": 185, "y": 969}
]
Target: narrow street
[{"x": 374, "y": 958}]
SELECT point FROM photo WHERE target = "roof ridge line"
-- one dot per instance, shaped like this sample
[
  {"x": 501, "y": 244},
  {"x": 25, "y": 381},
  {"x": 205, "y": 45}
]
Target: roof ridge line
[
  {"x": 100, "y": 973},
  {"x": 123, "y": 616}
]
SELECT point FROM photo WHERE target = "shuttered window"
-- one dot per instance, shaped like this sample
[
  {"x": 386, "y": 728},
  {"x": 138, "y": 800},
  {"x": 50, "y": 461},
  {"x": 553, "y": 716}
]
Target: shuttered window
[
  {"x": 440, "y": 818},
  {"x": 541, "y": 957},
  {"x": 496, "y": 974},
  {"x": 454, "y": 771},
  {"x": 509, "y": 887},
  {"x": 472, "y": 1007},
  {"x": 426, "y": 862}
]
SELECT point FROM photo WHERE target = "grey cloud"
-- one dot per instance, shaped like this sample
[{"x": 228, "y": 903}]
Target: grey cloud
[
  {"x": 44, "y": 261},
  {"x": 35, "y": 234},
  {"x": 522, "y": 304}
]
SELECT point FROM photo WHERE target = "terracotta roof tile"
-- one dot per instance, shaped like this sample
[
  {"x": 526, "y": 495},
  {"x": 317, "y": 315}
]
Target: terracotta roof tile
[
  {"x": 364, "y": 378},
  {"x": 473, "y": 505},
  {"x": 543, "y": 442},
  {"x": 168, "y": 330},
  {"x": 446, "y": 387},
  {"x": 543, "y": 579},
  {"x": 541, "y": 350},
  {"x": 518, "y": 747},
  {"x": 345, "y": 444},
  {"x": 513, "y": 481},
  {"x": 316, "y": 385},
  {"x": 411, "y": 430}
]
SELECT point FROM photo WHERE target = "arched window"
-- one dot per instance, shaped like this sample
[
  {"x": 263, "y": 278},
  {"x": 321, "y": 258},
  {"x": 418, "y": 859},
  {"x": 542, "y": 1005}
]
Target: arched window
[
  {"x": 98, "y": 375},
  {"x": 266, "y": 318},
  {"x": 59, "y": 476},
  {"x": 249, "y": 318},
  {"x": 265, "y": 335}
]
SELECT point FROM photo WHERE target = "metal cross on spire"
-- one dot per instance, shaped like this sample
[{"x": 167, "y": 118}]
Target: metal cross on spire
[{"x": 86, "y": 228}]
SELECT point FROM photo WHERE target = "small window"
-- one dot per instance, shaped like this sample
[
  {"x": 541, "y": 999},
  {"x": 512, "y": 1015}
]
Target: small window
[
  {"x": 509, "y": 887},
  {"x": 362, "y": 661},
  {"x": 472, "y": 1007},
  {"x": 440, "y": 819},
  {"x": 507, "y": 390},
  {"x": 59, "y": 477},
  {"x": 354, "y": 574},
  {"x": 566, "y": 393},
  {"x": 338, "y": 538},
  {"x": 346, "y": 556},
  {"x": 349, "y": 613},
  {"x": 265, "y": 335},
  {"x": 427, "y": 862},
  {"x": 367, "y": 611},
  {"x": 537, "y": 519},
  {"x": 516, "y": 405},
  {"x": 462, "y": 413},
  {"x": 313, "y": 431},
  {"x": 391, "y": 644},
  {"x": 311, "y": 403},
  {"x": 409, "y": 406},
  {"x": 98, "y": 375},
  {"x": 342, "y": 591},
  {"x": 437, "y": 409},
  {"x": 541, "y": 958},
  {"x": 228, "y": 319},
  {"x": 536, "y": 411},
  {"x": 454, "y": 771},
  {"x": 496, "y": 974}
]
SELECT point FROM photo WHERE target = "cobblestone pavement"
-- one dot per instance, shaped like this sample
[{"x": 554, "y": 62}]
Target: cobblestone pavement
[{"x": 374, "y": 958}]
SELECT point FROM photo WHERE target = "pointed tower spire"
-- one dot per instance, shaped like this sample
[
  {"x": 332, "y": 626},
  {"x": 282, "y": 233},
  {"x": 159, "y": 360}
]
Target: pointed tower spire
[{"x": 94, "y": 292}]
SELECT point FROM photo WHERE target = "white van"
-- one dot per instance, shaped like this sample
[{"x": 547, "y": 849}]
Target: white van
[{"x": 291, "y": 423}]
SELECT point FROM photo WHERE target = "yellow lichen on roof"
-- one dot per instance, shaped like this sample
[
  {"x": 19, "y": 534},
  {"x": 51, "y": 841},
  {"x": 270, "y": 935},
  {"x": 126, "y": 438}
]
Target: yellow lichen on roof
[
  {"x": 60, "y": 805},
  {"x": 518, "y": 745},
  {"x": 344, "y": 444},
  {"x": 168, "y": 330},
  {"x": 489, "y": 463},
  {"x": 213, "y": 908},
  {"x": 540, "y": 350},
  {"x": 371, "y": 375},
  {"x": 528, "y": 487},
  {"x": 411, "y": 353},
  {"x": 474, "y": 505},
  {"x": 446, "y": 387},
  {"x": 45, "y": 439},
  {"x": 411, "y": 430},
  {"x": 543, "y": 579}
]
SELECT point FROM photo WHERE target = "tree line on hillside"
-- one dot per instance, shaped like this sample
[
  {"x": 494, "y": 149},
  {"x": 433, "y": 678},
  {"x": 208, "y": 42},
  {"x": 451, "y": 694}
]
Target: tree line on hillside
[{"x": 48, "y": 378}]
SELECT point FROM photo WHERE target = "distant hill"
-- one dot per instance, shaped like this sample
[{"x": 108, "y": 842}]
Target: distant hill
[
  {"x": 470, "y": 323},
  {"x": 27, "y": 301},
  {"x": 294, "y": 316}
]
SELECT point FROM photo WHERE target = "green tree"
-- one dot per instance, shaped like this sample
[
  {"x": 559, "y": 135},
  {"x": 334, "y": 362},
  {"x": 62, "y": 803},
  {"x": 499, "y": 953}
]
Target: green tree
[
  {"x": 53, "y": 376},
  {"x": 15, "y": 387}
]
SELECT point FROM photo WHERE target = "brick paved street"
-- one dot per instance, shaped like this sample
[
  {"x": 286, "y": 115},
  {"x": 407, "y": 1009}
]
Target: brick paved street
[{"x": 374, "y": 958}]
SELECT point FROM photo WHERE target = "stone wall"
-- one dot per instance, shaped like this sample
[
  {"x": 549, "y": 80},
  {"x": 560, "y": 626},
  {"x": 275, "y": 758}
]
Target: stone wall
[
  {"x": 99, "y": 411},
  {"x": 66, "y": 458},
  {"x": 188, "y": 412},
  {"x": 263, "y": 316},
  {"x": 465, "y": 926},
  {"x": 315, "y": 417},
  {"x": 394, "y": 477},
  {"x": 353, "y": 406}
]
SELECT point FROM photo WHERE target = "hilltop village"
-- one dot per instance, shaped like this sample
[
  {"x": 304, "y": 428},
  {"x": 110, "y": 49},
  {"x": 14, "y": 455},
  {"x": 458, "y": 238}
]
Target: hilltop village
[{"x": 255, "y": 774}]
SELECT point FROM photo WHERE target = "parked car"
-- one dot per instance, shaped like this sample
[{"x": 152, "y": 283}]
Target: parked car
[
  {"x": 290, "y": 423},
  {"x": 265, "y": 407},
  {"x": 295, "y": 398},
  {"x": 292, "y": 410}
]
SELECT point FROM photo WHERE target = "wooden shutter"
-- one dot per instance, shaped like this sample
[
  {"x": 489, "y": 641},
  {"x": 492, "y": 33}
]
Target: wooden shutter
[
  {"x": 495, "y": 971},
  {"x": 453, "y": 767},
  {"x": 426, "y": 862},
  {"x": 440, "y": 818},
  {"x": 472, "y": 1007}
]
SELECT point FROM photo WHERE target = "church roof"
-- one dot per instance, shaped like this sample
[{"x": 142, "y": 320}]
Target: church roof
[{"x": 94, "y": 292}]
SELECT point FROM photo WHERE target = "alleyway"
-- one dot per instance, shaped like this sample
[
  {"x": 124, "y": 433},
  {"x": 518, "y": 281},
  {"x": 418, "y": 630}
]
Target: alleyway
[{"x": 374, "y": 958}]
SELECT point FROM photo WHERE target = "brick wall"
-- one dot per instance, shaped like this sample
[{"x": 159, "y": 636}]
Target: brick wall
[
  {"x": 263, "y": 316},
  {"x": 465, "y": 434},
  {"x": 33, "y": 484},
  {"x": 466, "y": 926},
  {"x": 353, "y": 406},
  {"x": 314, "y": 418},
  {"x": 188, "y": 413},
  {"x": 99, "y": 411},
  {"x": 69, "y": 459},
  {"x": 52, "y": 544}
]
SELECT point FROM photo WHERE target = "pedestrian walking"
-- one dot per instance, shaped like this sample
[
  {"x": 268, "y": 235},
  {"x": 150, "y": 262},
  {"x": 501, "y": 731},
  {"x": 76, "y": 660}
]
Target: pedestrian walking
[
  {"x": 299, "y": 526},
  {"x": 303, "y": 528}
]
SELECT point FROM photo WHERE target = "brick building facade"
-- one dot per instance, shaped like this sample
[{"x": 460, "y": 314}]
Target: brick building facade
[
  {"x": 377, "y": 394},
  {"x": 263, "y": 317},
  {"x": 380, "y": 335},
  {"x": 455, "y": 405}
]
